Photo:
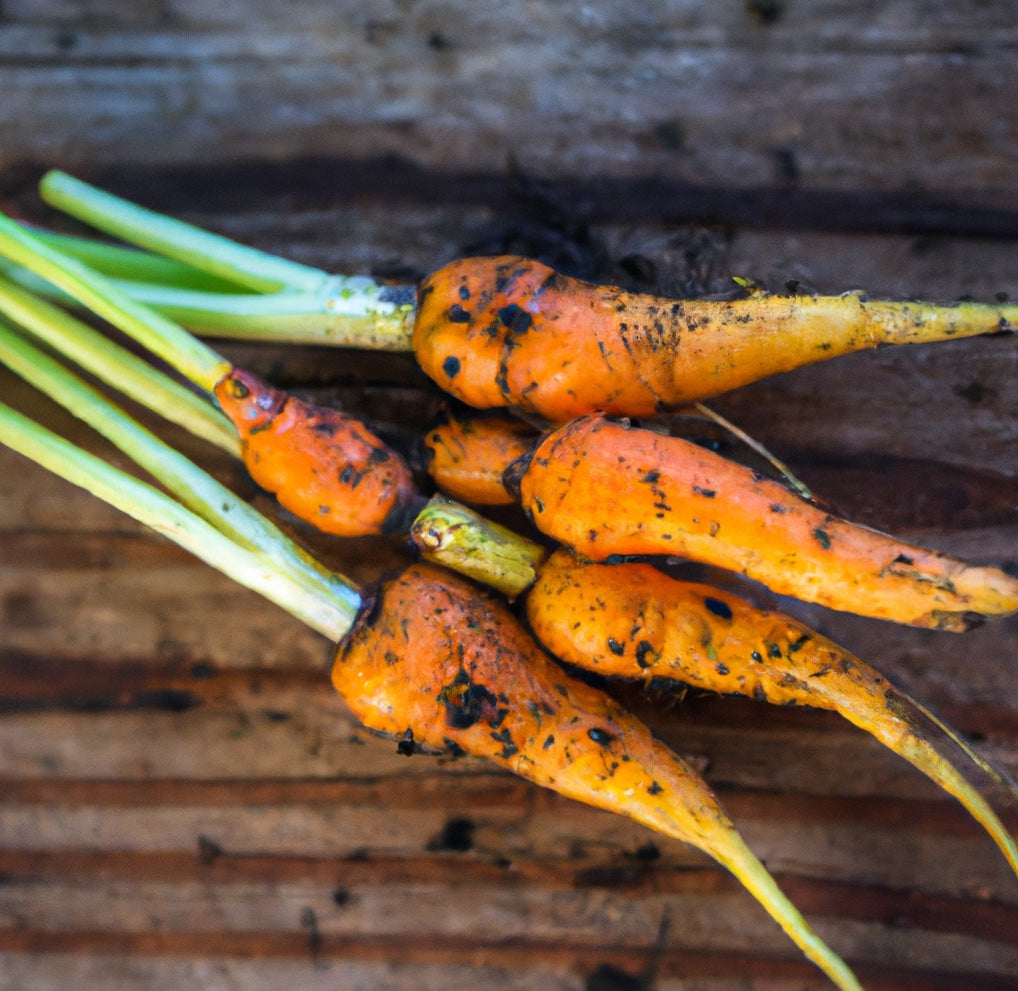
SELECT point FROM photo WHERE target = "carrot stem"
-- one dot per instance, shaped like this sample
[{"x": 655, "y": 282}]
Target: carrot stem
[
  {"x": 176, "y": 239},
  {"x": 329, "y": 615},
  {"x": 458, "y": 537},
  {"x": 117, "y": 262},
  {"x": 346, "y": 311},
  {"x": 117, "y": 366},
  {"x": 292, "y": 302},
  {"x": 193, "y": 359}
]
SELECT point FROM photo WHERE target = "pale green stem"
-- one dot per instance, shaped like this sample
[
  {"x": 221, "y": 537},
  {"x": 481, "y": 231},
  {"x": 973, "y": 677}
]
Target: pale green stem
[
  {"x": 329, "y": 615},
  {"x": 176, "y": 239},
  {"x": 117, "y": 262},
  {"x": 201, "y": 493},
  {"x": 459, "y": 538},
  {"x": 118, "y": 367},
  {"x": 347, "y": 311},
  {"x": 193, "y": 359}
]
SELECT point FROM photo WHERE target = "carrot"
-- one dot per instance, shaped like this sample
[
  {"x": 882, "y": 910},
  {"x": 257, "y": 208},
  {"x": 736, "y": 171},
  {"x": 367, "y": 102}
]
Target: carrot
[
  {"x": 510, "y": 331},
  {"x": 633, "y": 621},
  {"x": 435, "y": 662},
  {"x": 467, "y": 455},
  {"x": 605, "y": 489},
  {"x": 325, "y": 467}
]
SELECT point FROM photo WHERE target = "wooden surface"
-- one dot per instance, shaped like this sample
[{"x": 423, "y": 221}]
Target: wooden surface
[{"x": 185, "y": 802}]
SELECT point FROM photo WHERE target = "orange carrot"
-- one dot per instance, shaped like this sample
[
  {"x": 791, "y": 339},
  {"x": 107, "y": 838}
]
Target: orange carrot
[
  {"x": 605, "y": 489},
  {"x": 436, "y": 662},
  {"x": 467, "y": 455},
  {"x": 509, "y": 331},
  {"x": 325, "y": 467},
  {"x": 633, "y": 621}
]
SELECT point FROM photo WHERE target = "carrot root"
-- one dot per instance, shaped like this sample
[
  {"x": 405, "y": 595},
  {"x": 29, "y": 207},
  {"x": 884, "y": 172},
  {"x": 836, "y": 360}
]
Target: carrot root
[
  {"x": 607, "y": 489},
  {"x": 510, "y": 331},
  {"x": 438, "y": 662},
  {"x": 634, "y": 621},
  {"x": 325, "y": 467},
  {"x": 466, "y": 456}
]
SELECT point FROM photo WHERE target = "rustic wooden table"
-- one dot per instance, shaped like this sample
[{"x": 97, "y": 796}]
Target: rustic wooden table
[{"x": 183, "y": 799}]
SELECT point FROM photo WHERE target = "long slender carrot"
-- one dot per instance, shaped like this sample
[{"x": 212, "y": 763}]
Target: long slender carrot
[
  {"x": 606, "y": 489},
  {"x": 510, "y": 331},
  {"x": 432, "y": 641},
  {"x": 633, "y": 621},
  {"x": 468, "y": 454}
]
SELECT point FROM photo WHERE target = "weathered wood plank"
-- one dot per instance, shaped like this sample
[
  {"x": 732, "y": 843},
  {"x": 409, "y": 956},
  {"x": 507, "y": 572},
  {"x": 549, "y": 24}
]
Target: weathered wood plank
[
  {"x": 183, "y": 799},
  {"x": 845, "y": 100}
]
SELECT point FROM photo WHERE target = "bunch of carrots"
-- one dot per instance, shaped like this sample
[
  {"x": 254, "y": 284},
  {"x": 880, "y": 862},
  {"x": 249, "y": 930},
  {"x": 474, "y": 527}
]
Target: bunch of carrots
[{"x": 560, "y": 366}]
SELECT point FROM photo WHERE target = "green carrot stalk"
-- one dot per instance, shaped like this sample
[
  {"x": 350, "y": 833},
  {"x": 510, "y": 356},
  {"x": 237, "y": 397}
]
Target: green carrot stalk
[
  {"x": 459, "y": 538},
  {"x": 125, "y": 263},
  {"x": 195, "y": 360},
  {"x": 346, "y": 311},
  {"x": 117, "y": 366},
  {"x": 176, "y": 239},
  {"x": 330, "y": 615},
  {"x": 297, "y": 302}
]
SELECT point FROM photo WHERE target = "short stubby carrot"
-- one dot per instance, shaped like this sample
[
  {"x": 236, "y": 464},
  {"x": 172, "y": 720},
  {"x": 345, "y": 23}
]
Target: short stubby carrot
[
  {"x": 435, "y": 662},
  {"x": 510, "y": 331},
  {"x": 631, "y": 620},
  {"x": 323, "y": 466},
  {"x": 608, "y": 489},
  {"x": 467, "y": 456}
]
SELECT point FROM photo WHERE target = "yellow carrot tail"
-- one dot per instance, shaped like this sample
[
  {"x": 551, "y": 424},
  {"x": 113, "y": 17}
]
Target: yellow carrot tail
[{"x": 742, "y": 862}]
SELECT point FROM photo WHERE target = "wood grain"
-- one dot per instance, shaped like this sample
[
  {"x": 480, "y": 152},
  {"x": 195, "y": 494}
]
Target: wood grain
[{"x": 184, "y": 801}]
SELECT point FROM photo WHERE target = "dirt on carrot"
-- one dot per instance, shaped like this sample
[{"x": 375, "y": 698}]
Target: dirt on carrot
[
  {"x": 323, "y": 466},
  {"x": 441, "y": 665},
  {"x": 467, "y": 455},
  {"x": 605, "y": 489},
  {"x": 509, "y": 331},
  {"x": 631, "y": 620}
]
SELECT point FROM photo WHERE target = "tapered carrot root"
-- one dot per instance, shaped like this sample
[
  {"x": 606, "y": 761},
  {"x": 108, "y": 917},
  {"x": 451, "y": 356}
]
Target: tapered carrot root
[
  {"x": 325, "y": 467},
  {"x": 633, "y": 621},
  {"x": 607, "y": 489},
  {"x": 467, "y": 455},
  {"x": 509, "y": 331},
  {"x": 438, "y": 662}
]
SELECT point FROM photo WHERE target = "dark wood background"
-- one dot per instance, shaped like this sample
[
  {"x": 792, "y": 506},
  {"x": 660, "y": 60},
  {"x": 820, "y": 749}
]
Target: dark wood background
[{"x": 185, "y": 802}]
